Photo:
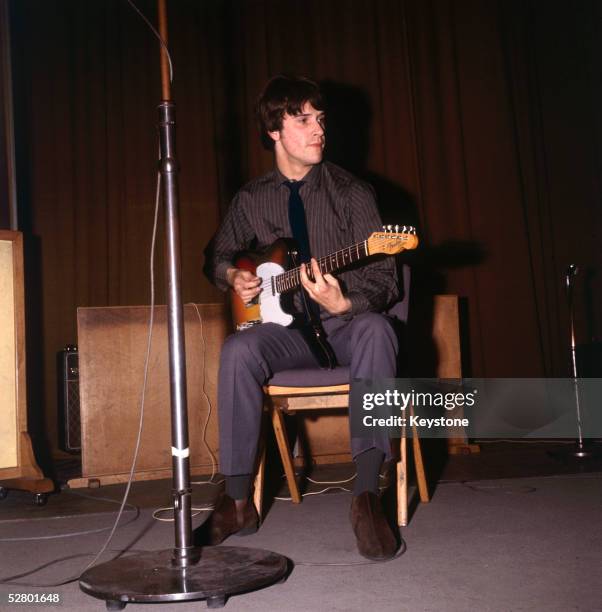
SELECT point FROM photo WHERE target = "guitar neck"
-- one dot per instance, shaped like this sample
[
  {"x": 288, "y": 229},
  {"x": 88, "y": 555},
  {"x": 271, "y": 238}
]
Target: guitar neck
[{"x": 291, "y": 279}]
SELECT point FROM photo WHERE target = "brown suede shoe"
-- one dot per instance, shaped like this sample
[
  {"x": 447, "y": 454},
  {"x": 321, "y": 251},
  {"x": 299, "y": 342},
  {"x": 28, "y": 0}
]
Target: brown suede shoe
[
  {"x": 375, "y": 540},
  {"x": 225, "y": 520}
]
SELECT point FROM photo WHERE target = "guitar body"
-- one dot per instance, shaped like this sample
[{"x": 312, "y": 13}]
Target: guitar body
[
  {"x": 278, "y": 269},
  {"x": 269, "y": 306}
]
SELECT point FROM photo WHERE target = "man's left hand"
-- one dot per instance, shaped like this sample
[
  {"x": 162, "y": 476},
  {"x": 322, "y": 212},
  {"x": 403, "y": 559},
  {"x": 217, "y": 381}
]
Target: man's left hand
[{"x": 326, "y": 290}]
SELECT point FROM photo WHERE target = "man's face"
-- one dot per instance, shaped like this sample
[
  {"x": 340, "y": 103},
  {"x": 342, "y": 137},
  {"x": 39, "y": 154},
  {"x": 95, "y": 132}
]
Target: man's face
[{"x": 300, "y": 142}]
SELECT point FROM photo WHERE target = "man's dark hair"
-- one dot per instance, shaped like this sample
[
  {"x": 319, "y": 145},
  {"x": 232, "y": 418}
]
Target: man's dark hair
[{"x": 284, "y": 94}]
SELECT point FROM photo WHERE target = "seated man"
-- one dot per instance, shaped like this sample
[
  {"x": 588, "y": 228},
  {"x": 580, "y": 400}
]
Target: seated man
[{"x": 338, "y": 210}]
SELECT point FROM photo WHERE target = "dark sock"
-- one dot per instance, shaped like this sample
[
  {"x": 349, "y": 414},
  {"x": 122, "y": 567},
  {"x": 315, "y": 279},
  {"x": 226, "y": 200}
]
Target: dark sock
[
  {"x": 238, "y": 487},
  {"x": 368, "y": 467}
]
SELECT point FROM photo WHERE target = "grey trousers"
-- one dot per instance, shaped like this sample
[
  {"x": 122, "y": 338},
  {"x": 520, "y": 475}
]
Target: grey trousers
[{"x": 367, "y": 344}]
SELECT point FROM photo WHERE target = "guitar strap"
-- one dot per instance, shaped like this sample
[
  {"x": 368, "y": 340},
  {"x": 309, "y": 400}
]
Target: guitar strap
[{"x": 311, "y": 310}]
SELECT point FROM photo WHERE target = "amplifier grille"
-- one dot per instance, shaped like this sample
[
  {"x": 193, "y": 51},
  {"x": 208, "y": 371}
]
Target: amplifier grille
[{"x": 69, "y": 413}]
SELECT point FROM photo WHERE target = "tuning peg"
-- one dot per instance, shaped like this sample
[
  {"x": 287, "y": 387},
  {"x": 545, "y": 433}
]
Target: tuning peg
[{"x": 397, "y": 229}]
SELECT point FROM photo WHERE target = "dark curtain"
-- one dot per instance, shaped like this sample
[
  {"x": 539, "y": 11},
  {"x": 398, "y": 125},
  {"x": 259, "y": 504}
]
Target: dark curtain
[
  {"x": 4, "y": 138},
  {"x": 474, "y": 119}
]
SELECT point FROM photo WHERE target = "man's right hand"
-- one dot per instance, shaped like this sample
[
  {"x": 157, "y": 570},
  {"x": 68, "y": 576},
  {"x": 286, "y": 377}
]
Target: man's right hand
[{"x": 245, "y": 283}]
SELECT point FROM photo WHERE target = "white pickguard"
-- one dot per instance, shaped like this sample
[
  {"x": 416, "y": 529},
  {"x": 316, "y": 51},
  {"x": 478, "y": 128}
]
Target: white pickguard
[{"x": 269, "y": 304}]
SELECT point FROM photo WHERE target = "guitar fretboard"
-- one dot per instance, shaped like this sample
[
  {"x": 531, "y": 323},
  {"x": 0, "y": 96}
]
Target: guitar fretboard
[{"x": 291, "y": 279}]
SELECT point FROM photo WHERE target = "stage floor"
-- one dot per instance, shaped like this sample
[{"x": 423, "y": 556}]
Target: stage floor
[{"x": 497, "y": 460}]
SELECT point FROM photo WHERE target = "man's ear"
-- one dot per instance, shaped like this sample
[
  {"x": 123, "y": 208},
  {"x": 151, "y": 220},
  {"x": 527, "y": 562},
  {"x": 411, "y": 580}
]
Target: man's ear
[{"x": 275, "y": 135}]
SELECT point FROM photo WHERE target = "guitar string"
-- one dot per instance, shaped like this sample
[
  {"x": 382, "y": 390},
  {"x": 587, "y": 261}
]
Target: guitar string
[{"x": 294, "y": 273}]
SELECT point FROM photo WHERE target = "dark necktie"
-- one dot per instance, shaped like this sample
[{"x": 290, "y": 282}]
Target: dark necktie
[
  {"x": 316, "y": 340},
  {"x": 298, "y": 221}
]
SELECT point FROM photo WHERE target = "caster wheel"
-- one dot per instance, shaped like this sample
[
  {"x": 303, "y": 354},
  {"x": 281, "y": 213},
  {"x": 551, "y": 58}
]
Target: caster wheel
[
  {"x": 115, "y": 605},
  {"x": 40, "y": 499},
  {"x": 217, "y": 601},
  {"x": 3, "y": 493}
]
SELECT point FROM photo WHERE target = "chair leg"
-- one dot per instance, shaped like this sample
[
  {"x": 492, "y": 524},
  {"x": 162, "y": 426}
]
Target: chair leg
[
  {"x": 259, "y": 481},
  {"x": 419, "y": 465},
  {"x": 402, "y": 483},
  {"x": 285, "y": 454}
]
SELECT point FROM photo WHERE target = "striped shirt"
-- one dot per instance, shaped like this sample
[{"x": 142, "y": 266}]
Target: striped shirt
[{"x": 340, "y": 210}]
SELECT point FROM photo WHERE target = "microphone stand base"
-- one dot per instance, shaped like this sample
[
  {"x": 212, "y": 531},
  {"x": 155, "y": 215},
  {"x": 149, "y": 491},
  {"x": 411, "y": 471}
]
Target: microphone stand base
[
  {"x": 152, "y": 576},
  {"x": 578, "y": 453}
]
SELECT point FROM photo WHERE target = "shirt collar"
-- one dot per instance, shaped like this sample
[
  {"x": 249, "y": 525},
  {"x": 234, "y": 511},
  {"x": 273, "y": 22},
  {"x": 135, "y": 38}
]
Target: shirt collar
[{"x": 312, "y": 178}]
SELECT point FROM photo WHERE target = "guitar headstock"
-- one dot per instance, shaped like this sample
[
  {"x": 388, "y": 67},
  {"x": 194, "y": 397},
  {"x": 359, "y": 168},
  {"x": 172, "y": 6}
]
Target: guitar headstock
[{"x": 393, "y": 239}]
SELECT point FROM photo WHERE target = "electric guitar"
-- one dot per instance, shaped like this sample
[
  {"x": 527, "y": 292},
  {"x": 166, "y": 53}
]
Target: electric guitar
[{"x": 280, "y": 274}]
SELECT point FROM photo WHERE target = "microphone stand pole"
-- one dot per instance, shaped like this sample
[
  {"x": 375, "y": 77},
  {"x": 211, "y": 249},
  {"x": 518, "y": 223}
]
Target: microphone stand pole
[
  {"x": 580, "y": 450},
  {"x": 184, "y": 554},
  {"x": 185, "y": 572}
]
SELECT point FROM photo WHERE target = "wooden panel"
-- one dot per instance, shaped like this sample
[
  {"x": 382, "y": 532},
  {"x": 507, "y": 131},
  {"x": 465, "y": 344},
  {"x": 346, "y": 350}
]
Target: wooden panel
[
  {"x": 327, "y": 436},
  {"x": 112, "y": 348},
  {"x": 8, "y": 365},
  {"x": 18, "y": 467},
  {"x": 446, "y": 335}
]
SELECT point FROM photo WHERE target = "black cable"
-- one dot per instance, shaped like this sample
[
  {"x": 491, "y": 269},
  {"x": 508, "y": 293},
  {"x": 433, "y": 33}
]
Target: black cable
[
  {"x": 154, "y": 31},
  {"x": 123, "y": 503},
  {"x": 8, "y": 580},
  {"x": 141, "y": 420}
]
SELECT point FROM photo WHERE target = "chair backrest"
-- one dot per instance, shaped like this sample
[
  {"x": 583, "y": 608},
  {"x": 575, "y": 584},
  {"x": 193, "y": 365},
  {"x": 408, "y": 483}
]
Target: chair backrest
[
  {"x": 401, "y": 308},
  {"x": 399, "y": 313}
]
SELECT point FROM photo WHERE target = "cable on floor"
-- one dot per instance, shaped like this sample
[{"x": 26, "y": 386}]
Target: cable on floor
[{"x": 8, "y": 580}]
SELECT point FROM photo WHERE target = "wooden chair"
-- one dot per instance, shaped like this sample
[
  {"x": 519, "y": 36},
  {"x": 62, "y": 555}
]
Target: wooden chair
[
  {"x": 300, "y": 391},
  {"x": 291, "y": 400}
]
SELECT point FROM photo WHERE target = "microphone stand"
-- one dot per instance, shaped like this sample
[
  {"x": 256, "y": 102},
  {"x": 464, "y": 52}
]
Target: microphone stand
[
  {"x": 185, "y": 572},
  {"x": 580, "y": 450}
]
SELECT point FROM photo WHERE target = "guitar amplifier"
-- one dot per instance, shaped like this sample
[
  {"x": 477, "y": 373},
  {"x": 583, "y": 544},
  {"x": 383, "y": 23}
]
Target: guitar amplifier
[{"x": 69, "y": 413}]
